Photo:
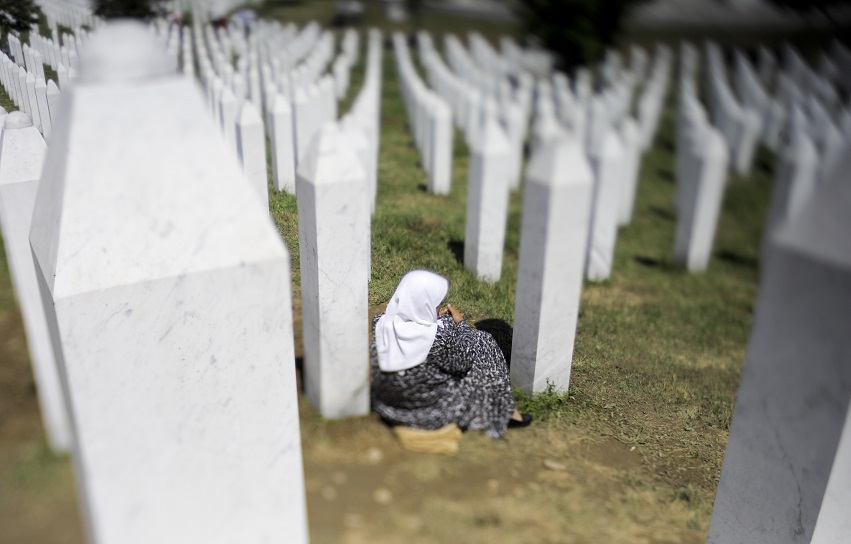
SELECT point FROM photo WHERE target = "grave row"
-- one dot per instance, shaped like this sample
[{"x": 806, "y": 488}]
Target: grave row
[
  {"x": 183, "y": 406},
  {"x": 39, "y": 105},
  {"x": 786, "y": 469},
  {"x": 69, "y": 13},
  {"x": 494, "y": 115},
  {"x": 430, "y": 119},
  {"x": 788, "y": 99}
]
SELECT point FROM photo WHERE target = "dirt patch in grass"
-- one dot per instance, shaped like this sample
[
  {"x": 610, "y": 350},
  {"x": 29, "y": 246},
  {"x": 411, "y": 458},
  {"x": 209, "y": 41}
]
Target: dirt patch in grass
[{"x": 555, "y": 481}]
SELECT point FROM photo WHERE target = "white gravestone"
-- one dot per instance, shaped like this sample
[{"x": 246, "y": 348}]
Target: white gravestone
[
  {"x": 53, "y": 95},
  {"x": 786, "y": 471},
  {"x": 167, "y": 295},
  {"x": 608, "y": 184},
  {"x": 25, "y": 105},
  {"x": 283, "y": 145},
  {"x": 553, "y": 236},
  {"x": 43, "y": 108},
  {"x": 22, "y": 152},
  {"x": 32, "y": 97},
  {"x": 227, "y": 118},
  {"x": 699, "y": 201},
  {"x": 631, "y": 138},
  {"x": 440, "y": 176},
  {"x": 251, "y": 144},
  {"x": 333, "y": 224},
  {"x": 487, "y": 203}
]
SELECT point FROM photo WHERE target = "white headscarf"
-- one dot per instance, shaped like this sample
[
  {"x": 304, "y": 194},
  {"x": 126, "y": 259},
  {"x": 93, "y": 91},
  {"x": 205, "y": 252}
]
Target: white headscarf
[{"x": 405, "y": 333}]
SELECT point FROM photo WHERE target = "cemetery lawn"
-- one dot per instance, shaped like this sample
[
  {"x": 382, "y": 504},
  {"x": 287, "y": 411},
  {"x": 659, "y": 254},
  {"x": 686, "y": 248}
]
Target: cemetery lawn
[{"x": 632, "y": 453}]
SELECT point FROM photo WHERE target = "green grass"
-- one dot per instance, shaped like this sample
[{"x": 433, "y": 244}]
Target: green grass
[{"x": 658, "y": 352}]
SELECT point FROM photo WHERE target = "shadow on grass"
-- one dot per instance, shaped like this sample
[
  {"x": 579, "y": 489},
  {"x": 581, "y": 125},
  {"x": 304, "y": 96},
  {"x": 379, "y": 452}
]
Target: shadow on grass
[
  {"x": 457, "y": 249},
  {"x": 299, "y": 373},
  {"x": 663, "y": 213},
  {"x": 651, "y": 262},
  {"x": 501, "y": 331},
  {"x": 422, "y": 187},
  {"x": 666, "y": 174},
  {"x": 737, "y": 259}
]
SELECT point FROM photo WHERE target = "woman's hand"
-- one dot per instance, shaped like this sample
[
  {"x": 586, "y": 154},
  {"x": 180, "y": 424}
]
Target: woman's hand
[{"x": 456, "y": 315}]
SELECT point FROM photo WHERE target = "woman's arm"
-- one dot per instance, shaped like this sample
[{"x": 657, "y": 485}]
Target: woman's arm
[{"x": 453, "y": 346}]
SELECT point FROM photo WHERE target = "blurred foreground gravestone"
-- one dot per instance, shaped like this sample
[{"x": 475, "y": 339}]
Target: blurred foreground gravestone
[
  {"x": 334, "y": 245},
  {"x": 22, "y": 151},
  {"x": 167, "y": 293},
  {"x": 554, "y": 233},
  {"x": 787, "y": 470}
]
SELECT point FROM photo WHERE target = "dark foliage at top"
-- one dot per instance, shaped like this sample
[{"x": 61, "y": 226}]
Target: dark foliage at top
[
  {"x": 17, "y": 15},
  {"x": 576, "y": 31},
  {"x": 133, "y": 9}
]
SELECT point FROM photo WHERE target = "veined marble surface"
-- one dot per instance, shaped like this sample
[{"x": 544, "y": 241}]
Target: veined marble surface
[
  {"x": 788, "y": 455},
  {"x": 334, "y": 243},
  {"x": 554, "y": 233},
  {"x": 170, "y": 312},
  {"x": 22, "y": 151}
]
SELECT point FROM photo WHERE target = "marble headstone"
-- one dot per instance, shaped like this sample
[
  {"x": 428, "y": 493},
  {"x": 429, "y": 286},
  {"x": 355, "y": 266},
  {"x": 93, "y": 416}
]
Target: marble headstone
[
  {"x": 487, "y": 203},
  {"x": 167, "y": 294},
  {"x": 22, "y": 151},
  {"x": 553, "y": 236},
  {"x": 333, "y": 224},
  {"x": 786, "y": 470}
]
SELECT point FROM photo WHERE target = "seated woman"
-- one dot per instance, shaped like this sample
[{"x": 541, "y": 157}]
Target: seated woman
[{"x": 430, "y": 368}]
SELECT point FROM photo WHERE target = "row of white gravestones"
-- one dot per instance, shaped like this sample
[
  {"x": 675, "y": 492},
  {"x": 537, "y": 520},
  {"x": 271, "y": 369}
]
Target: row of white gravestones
[
  {"x": 649, "y": 106},
  {"x": 755, "y": 97},
  {"x": 184, "y": 405},
  {"x": 365, "y": 112},
  {"x": 39, "y": 100},
  {"x": 787, "y": 467},
  {"x": 68, "y": 13},
  {"x": 467, "y": 105},
  {"x": 553, "y": 239},
  {"x": 430, "y": 119},
  {"x": 22, "y": 151},
  {"x": 739, "y": 125},
  {"x": 334, "y": 215}
]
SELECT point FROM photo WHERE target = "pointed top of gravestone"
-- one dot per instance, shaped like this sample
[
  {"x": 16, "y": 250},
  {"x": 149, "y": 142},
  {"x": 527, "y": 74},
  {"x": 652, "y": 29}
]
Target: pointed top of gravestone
[
  {"x": 169, "y": 180},
  {"x": 492, "y": 140},
  {"x": 820, "y": 229},
  {"x": 123, "y": 50},
  {"x": 559, "y": 161},
  {"x": 52, "y": 88},
  {"x": 250, "y": 115},
  {"x": 329, "y": 158},
  {"x": 22, "y": 150},
  {"x": 611, "y": 146},
  {"x": 630, "y": 133},
  {"x": 280, "y": 104},
  {"x": 17, "y": 119}
]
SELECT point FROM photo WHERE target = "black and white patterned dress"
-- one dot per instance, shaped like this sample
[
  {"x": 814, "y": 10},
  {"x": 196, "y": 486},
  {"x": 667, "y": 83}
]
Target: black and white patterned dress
[{"x": 464, "y": 380}]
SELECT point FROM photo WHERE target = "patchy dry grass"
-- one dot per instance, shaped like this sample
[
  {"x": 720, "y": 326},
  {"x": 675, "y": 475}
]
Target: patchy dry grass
[{"x": 636, "y": 443}]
